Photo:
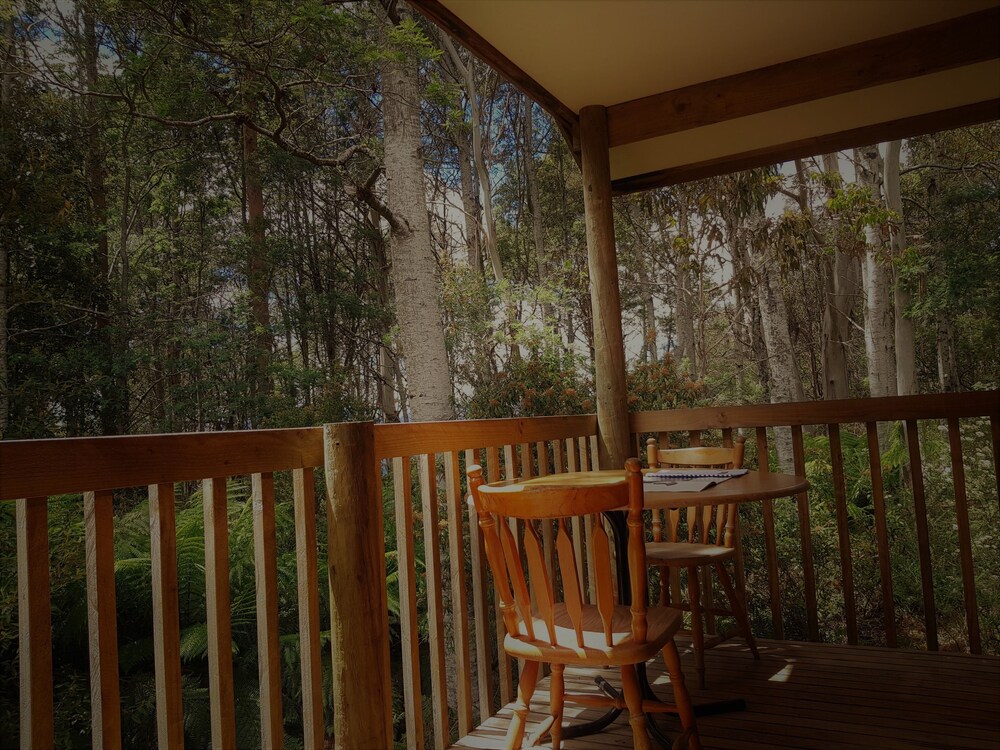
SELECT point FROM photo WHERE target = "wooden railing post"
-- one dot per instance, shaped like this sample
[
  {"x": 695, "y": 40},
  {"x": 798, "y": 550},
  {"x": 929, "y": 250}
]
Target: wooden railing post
[
  {"x": 34, "y": 622},
  {"x": 359, "y": 613}
]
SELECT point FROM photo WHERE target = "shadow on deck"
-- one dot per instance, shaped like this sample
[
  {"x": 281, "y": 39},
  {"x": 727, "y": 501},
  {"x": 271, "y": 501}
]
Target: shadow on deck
[{"x": 816, "y": 696}]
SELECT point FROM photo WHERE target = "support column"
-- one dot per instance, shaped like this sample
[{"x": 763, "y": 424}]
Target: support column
[
  {"x": 359, "y": 613},
  {"x": 605, "y": 297}
]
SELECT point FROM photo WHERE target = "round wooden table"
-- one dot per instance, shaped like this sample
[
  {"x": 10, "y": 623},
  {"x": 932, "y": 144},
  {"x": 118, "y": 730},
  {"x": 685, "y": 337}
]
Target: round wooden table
[{"x": 750, "y": 487}]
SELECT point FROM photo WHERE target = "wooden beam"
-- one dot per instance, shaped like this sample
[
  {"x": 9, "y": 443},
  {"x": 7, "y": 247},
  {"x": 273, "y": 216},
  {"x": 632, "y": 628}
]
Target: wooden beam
[
  {"x": 477, "y": 45},
  {"x": 359, "y": 612},
  {"x": 931, "y": 122},
  {"x": 605, "y": 296},
  {"x": 965, "y": 40}
]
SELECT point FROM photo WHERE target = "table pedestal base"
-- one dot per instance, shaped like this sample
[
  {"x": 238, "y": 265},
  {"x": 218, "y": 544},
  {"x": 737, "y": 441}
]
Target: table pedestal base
[{"x": 619, "y": 531}]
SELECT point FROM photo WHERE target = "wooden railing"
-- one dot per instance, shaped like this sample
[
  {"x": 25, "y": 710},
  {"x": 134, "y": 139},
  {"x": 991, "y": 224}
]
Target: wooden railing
[
  {"x": 446, "y": 619},
  {"x": 873, "y": 419},
  {"x": 32, "y": 472}
]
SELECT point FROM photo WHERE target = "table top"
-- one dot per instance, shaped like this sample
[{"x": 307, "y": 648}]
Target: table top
[{"x": 752, "y": 486}]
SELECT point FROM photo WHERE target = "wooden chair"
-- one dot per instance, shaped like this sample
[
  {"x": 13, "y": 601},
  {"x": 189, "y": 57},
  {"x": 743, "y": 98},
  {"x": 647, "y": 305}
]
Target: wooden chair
[
  {"x": 542, "y": 629},
  {"x": 709, "y": 541}
]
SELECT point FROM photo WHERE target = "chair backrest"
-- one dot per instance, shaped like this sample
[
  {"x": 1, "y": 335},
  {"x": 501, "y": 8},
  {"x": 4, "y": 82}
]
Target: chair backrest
[
  {"x": 505, "y": 508},
  {"x": 701, "y": 522}
]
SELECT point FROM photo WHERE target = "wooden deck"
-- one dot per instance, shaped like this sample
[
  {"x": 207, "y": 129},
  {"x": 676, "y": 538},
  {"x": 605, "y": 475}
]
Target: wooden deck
[{"x": 814, "y": 696}]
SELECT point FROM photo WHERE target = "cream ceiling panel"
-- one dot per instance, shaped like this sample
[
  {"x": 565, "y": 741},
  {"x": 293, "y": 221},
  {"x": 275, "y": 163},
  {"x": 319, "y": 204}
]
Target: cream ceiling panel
[{"x": 898, "y": 100}]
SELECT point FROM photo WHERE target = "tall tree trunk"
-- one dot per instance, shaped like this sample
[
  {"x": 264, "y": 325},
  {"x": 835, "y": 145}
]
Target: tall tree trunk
[
  {"x": 784, "y": 381},
  {"x": 877, "y": 274},
  {"x": 414, "y": 270},
  {"x": 841, "y": 282},
  {"x": 947, "y": 360},
  {"x": 258, "y": 270},
  {"x": 684, "y": 302},
  {"x": 114, "y": 388},
  {"x": 470, "y": 203},
  {"x": 534, "y": 204},
  {"x": 906, "y": 357},
  {"x": 6, "y": 116}
]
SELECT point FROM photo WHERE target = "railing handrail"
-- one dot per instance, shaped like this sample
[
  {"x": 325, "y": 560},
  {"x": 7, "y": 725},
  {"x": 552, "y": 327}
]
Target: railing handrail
[
  {"x": 58, "y": 466},
  {"x": 842, "y": 411},
  {"x": 416, "y": 438}
]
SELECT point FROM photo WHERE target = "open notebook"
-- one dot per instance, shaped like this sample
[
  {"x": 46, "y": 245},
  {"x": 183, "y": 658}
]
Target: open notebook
[{"x": 689, "y": 480}]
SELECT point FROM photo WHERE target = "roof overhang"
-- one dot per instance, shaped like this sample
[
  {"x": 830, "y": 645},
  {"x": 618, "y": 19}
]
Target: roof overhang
[{"x": 698, "y": 88}]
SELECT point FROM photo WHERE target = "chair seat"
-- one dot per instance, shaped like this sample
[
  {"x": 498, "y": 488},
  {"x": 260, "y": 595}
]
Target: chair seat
[
  {"x": 686, "y": 553},
  {"x": 662, "y": 624}
]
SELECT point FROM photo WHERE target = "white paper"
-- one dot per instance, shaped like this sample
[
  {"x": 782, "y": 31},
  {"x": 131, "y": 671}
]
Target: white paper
[{"x": 682, "y": 485}]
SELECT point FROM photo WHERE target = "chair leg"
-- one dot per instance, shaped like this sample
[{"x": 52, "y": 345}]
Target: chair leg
[
  {"x": 685, "y": 710},
  {"x": 633, "y": 699},
  {"x": 556, "y": 694},
  {"x": 525, "y": 689},
  {"x": 697, "y": 626},
  {"x": 738, "y": 606}
]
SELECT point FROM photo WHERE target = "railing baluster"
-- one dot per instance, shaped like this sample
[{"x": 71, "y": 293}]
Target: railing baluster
[
  {"x": 527, "y": 464},
  {"x": 222, "y": 700},
  {"x": 265, "y": 559},
  {"x": 964, "y": 537},
  {"x": 805, "y": 532},
  {"x": 770, "y": 545},
  {"x": 923, "y": 536},
  {"x": 548, "y": 540},
  {"x": 459, "y": 592},
  {"x": 105, "y": 700},
  {"x": 34, "y": 622},
  {"x": 503, "y": 661},
  {"x": 435, "y": 599},
  {"x": 843, "y": 532},
  {"x": 410, "y": 633},
  {"x": 995, "y": 439},
  {"x": 881, "y": 534},
  {"x": 307, "y": 574},
  {"x": 166, "y": 623},
  {"x": 484, "y": 668}
]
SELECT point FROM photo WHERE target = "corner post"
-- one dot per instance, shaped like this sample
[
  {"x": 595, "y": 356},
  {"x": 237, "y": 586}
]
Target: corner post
[
  {"x": 359, "y": 613},
  {"x": 605, "y": 297}
]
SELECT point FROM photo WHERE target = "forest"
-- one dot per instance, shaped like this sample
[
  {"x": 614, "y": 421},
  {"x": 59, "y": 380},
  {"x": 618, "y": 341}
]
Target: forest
[{"x": 236, "y": 215}]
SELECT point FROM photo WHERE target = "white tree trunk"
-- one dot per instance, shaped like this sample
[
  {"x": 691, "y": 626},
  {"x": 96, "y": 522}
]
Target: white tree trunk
[
  {"x": 841, "y": 292},
  {"x": 906, "y": 358},
  {"x": 6, "y": 101},
  {"x": 414, "y": 269},
  {"x": 879, "y": 325},
  {"x": 784, "y": 381},
  {"x": 684, "y": 300}
]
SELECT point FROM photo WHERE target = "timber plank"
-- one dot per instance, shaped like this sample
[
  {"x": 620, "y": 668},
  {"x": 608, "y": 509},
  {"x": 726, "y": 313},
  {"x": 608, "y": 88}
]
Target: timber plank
[{"x": 812, "y": 696}]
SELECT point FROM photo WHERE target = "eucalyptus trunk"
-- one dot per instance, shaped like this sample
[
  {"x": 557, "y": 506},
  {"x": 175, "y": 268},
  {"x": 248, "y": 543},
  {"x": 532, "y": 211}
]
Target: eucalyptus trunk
[
  {"x": 6, "y": 111},
  {"x": 841, "y": 274},
  {"x": 114, "y": 387},
  {"x": 877, "y": 274},
  {"x": 684, "y": 303},
  {"x": 784, "y": 381},
  {"x": 534, "y": 204},
  {"x": 258, "y": 270},
  {"x": 906, "y": 358},
  {"x": 470, "y": 204},
  {"x": 414, "y": 269}
]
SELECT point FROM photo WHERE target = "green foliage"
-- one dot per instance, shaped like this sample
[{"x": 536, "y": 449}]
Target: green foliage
[
  {"x": 659, "y": 385},
  {"x": 542, "y": 384}
]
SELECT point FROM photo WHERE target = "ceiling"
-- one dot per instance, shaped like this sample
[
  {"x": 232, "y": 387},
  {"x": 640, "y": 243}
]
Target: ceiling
[{"x": 608, "y": 52}]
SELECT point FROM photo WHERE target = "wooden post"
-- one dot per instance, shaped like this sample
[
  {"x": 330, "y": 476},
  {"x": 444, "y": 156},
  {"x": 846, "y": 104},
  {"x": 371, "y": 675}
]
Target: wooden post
[
  {"x": 359, "y": 612},
  {"x": 34, "y": 622},
  {"x": 605, "y": 298}
]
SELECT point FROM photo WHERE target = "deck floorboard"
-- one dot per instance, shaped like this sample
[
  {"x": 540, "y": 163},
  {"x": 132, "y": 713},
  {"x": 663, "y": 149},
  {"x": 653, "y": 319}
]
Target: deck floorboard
[{"x": 810, "y": 696}]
